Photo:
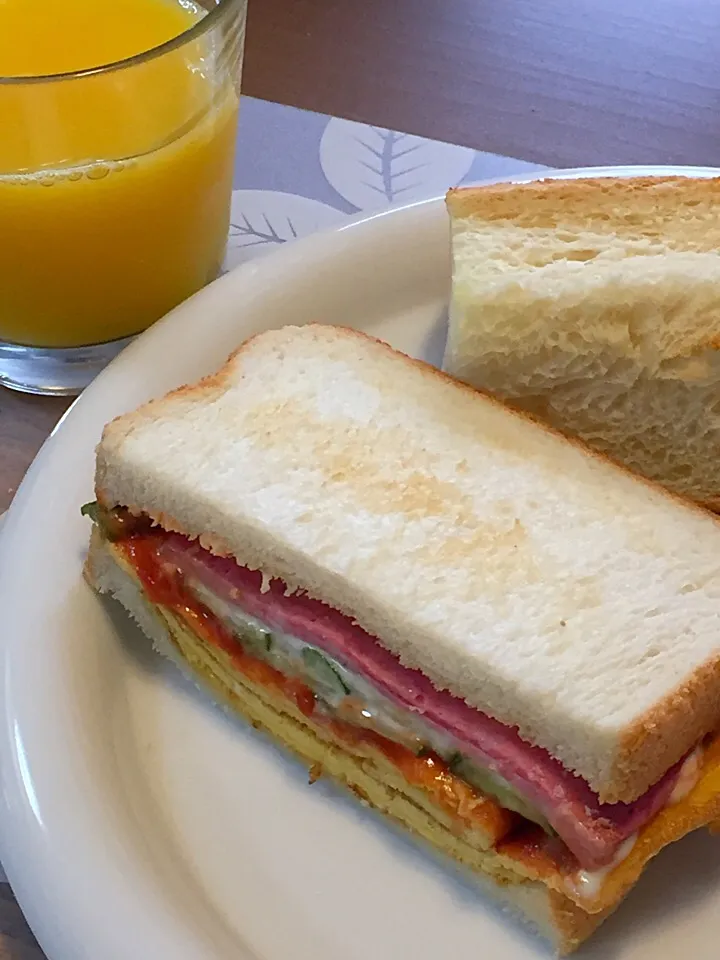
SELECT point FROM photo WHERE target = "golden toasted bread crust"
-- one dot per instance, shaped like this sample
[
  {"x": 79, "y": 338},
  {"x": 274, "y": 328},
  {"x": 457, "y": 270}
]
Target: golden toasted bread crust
[
  {"x": 687, "y": 714},
  {"x": 573, "y": 925},
  {"x": 603, "y": 205}
]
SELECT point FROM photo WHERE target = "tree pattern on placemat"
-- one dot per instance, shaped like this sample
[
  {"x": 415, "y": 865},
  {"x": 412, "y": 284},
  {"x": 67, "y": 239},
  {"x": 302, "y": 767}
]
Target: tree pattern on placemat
[
  {"x": 254, "y": 236},
  {"x": 260, "y": 220},
  {"x": 372, "y": 167}
]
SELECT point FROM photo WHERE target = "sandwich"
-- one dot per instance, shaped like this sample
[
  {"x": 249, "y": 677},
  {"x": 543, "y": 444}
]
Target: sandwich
[
  {"x": 595, "y": 306},
  {"x": 504, "y": 642}
]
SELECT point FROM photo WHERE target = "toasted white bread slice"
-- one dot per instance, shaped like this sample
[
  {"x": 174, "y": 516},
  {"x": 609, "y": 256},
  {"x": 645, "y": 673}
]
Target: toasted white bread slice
[
  {"x": 544, "y": 910},
  {"x": 542, "y": 583},
  {"x": 595, "y": 304}
]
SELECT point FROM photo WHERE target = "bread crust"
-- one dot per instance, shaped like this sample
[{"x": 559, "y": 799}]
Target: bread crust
[
  {"x": 689, "y": 713},
  {"x": 607, "y": 205},
  {"x": 648, "y": 747}
]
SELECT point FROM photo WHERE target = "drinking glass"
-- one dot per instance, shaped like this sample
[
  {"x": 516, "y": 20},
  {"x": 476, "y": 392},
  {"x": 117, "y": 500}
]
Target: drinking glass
[{"x": 115, "y": 188}]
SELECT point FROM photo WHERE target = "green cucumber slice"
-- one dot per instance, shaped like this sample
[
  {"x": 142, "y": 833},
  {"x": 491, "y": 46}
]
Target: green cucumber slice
[
  {"x": 255, "y": 639},
  {"x": 110, "y": 525},
  {"x": 91, "y": 510},
  {"x": 322, "y": 671},
  {"x": 495, "y": 786}
]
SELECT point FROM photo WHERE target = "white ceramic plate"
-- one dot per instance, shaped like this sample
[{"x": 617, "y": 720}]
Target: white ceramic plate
[{"x": 137, "y": 821}]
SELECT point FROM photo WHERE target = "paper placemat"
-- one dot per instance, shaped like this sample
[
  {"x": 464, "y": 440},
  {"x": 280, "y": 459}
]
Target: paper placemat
[{"x": 298, "y": 172}]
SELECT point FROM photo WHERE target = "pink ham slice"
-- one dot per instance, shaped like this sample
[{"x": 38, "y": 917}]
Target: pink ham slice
[{"x": 593, "y": 831}]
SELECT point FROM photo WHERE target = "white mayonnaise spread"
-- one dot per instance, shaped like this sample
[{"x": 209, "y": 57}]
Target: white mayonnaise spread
[
  {"x": 688, "y": 777},
  {"x": 588, "y": 883},
  {"x": 381, "y": 713}
]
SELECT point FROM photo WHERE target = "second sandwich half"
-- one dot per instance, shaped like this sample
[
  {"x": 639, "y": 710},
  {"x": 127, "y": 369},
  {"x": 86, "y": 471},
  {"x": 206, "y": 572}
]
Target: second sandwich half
[{"x": 501, "y": 640}]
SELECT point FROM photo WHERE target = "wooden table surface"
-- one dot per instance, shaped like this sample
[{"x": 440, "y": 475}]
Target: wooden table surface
[{"x": 560, "y": 82}]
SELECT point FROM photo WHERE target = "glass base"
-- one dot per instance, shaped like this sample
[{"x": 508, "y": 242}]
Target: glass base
[{"x": 54, "y": 371}]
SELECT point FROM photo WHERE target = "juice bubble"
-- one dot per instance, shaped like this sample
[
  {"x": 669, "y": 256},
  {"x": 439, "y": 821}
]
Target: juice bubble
[{"x": 98, "y": 172}]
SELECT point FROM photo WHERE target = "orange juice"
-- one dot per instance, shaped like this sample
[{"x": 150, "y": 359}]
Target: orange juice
[{"x": 114, "y": 185}]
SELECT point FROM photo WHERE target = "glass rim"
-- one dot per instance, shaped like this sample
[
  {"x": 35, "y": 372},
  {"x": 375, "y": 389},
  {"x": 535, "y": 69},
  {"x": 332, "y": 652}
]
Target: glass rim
[{"x": 196, "y": 30}]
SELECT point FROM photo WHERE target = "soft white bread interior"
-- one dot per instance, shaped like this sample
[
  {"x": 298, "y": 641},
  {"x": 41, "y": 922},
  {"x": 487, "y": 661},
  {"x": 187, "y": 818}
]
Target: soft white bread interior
[
  {"x": 537, "y": 580},
  {"x": 545, "y": 911},
  {"x": 595, "y": 304}
]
